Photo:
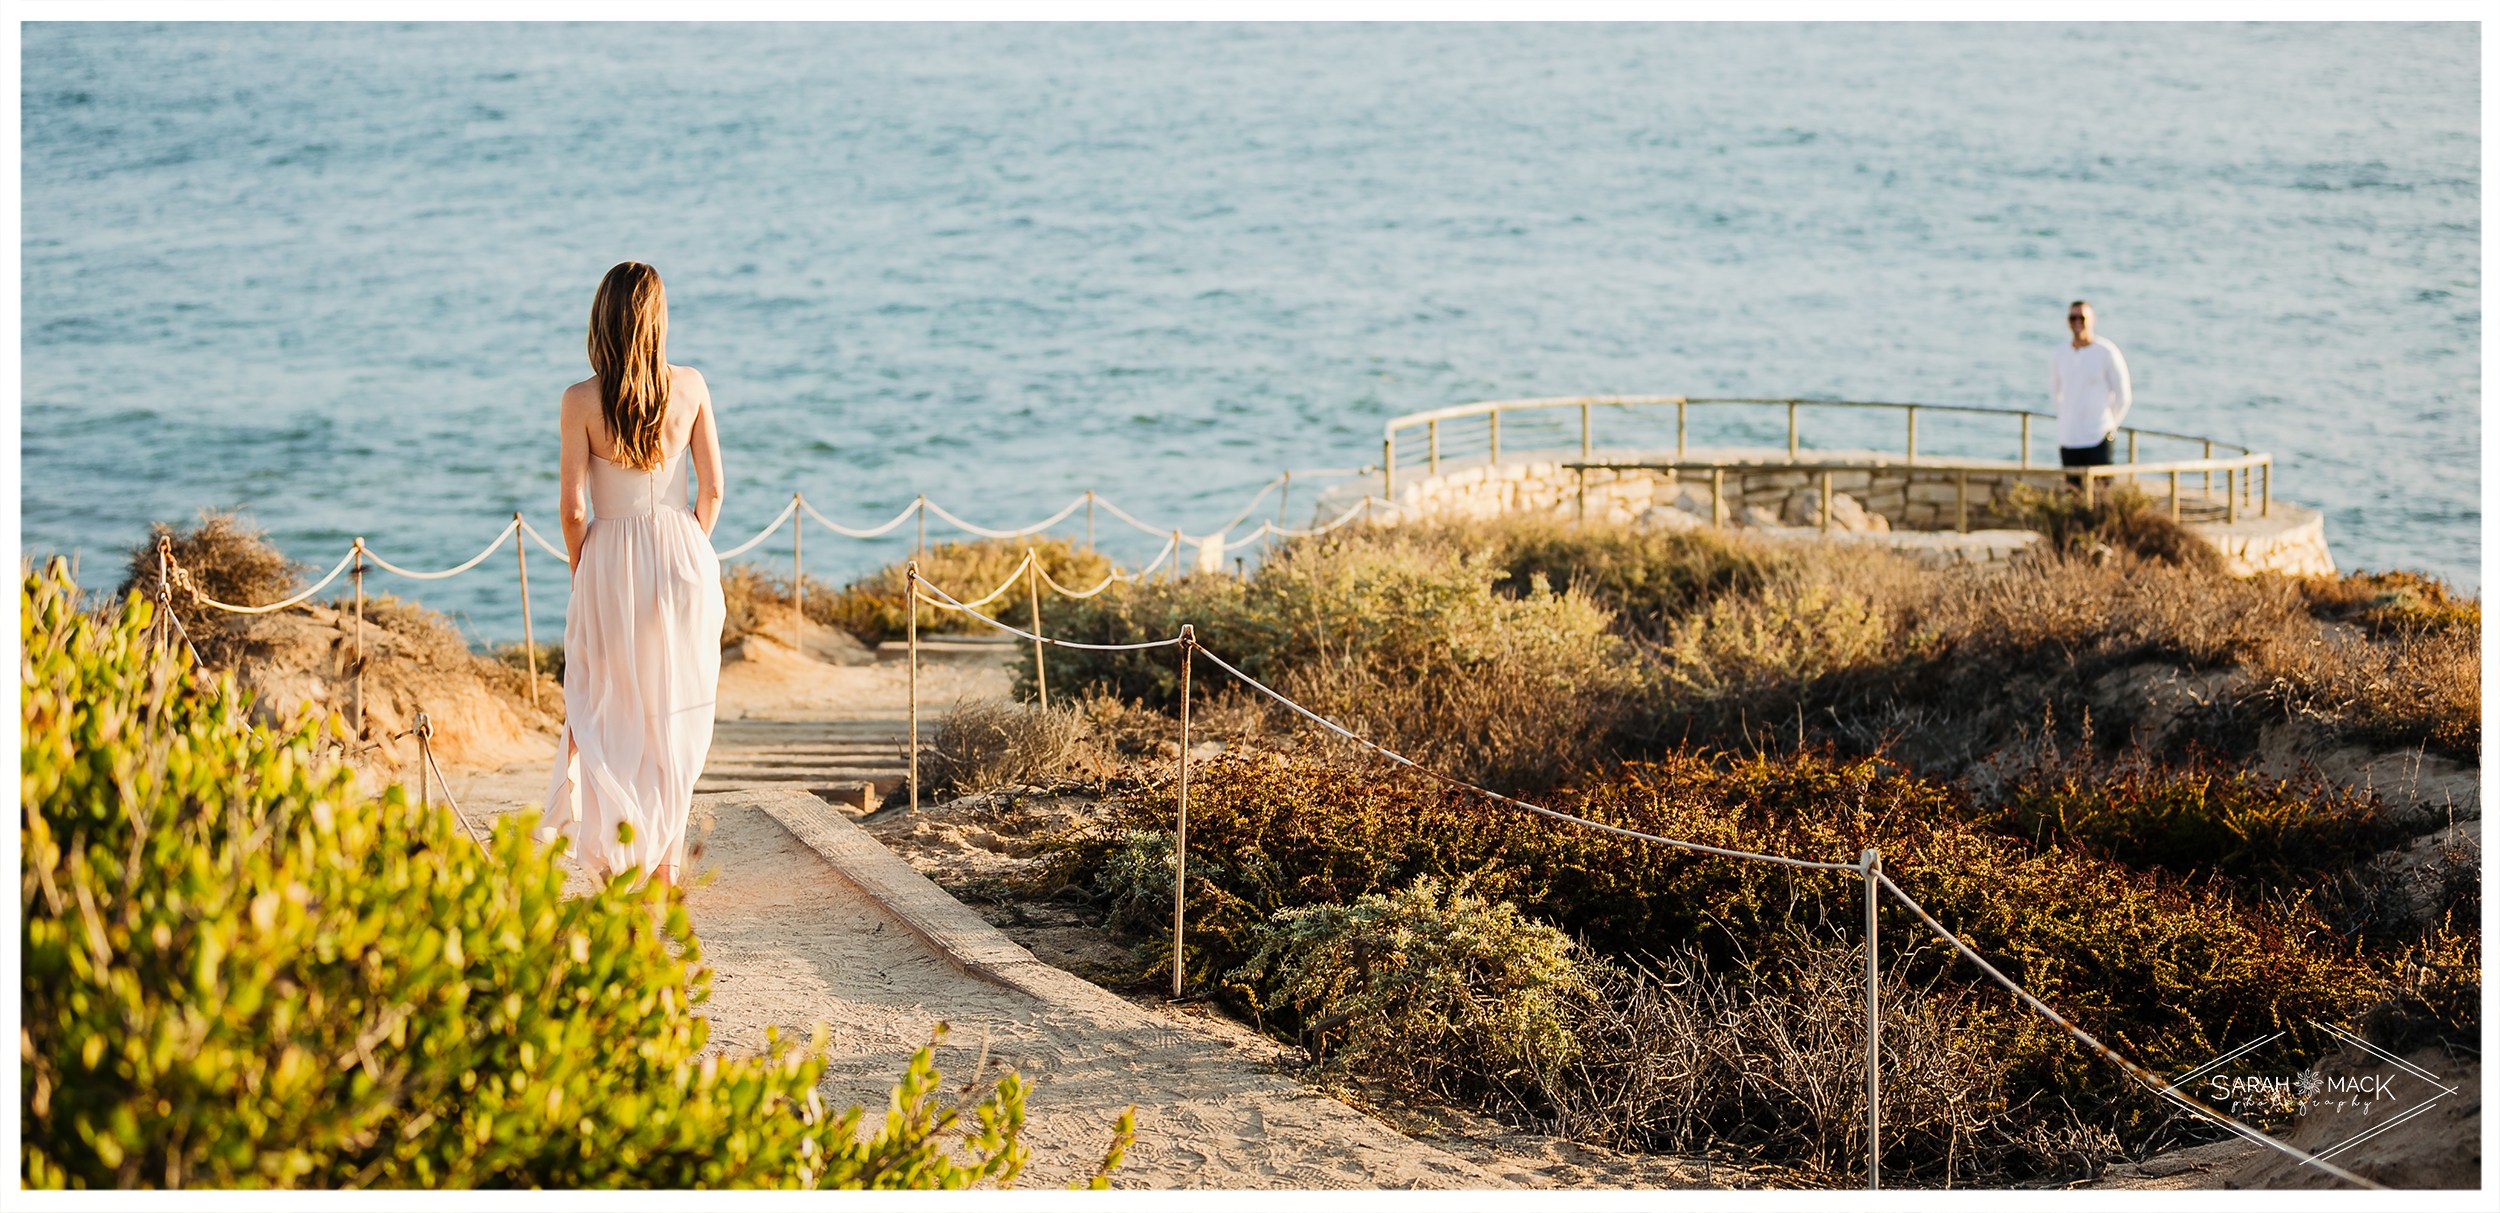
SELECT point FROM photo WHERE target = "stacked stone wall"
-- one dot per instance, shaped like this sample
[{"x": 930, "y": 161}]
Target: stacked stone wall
[{"x": 1905, "y": 496}]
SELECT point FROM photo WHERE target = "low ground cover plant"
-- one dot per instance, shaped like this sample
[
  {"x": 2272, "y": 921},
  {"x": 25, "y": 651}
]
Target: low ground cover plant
[
  {"x": 2198, "y": 817},
  {"x": 239, "y": 971}
]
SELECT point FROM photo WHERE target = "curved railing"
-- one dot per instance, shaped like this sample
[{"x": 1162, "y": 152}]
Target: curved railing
[{"x": 1465, "y": 432}]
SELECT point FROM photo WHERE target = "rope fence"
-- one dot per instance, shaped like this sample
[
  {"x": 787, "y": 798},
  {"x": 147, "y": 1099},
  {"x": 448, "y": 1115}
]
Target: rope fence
[{"x": 173, "y": 578}]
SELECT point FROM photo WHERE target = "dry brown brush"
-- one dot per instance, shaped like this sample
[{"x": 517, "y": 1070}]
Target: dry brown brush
[
  {"x": 982, "y": 746},
  {"x": 1766, "y": 1060},
  {"x": 228, "y": 559}
]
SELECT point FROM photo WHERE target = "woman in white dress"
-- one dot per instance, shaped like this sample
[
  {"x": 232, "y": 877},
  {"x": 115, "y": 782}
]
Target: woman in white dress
[{"x": 642, "y": 626}]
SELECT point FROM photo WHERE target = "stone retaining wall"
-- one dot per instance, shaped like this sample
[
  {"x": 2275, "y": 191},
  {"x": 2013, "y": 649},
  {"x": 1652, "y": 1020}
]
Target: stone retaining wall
[{"x": 1904, "y": 496}]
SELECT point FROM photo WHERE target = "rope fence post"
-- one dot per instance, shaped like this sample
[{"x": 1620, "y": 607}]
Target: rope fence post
[
  {"x": 798, "y": 556},
  {"x": 424, "y": 730},
  {"x": 911, "y": 677},
  {"x": 1679, "y": 427},
  {"x": 359, "y": 569},
  {"x": 1870, "y": 866},
  {"x": 1283, "y": 495},
  {"x": 1180, "y": 829},
  {"x": 1089, "y": 520},
  {"x": 1826, "y": 521},
  {"x": 164, "y": 593},
  {"x": 1388, "y": 467},
  {"x": 2026, "y": 440},
  {"x": 171, "y": 623},
  {"x": 1033, "y": 594},
  {"x": 1172, "y": 571},
  {"x": 1911, "y": 454},
  {"x": 529, "y": 632},
  {"x": 1792, "y": 431},
  {"x": 1961, "y": 501},
  {"x": 920, "y": 544}
]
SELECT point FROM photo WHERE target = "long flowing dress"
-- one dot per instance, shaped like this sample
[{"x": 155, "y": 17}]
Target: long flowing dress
[{"x": 642, "y": 634}]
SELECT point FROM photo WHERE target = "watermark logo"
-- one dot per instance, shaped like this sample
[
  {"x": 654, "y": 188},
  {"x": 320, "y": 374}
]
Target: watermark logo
[{"x": 2338, "y": 1108}]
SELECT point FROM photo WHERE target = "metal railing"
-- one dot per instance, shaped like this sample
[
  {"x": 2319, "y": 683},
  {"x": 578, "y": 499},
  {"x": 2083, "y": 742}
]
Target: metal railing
[{"x": 1463, "y": 431}]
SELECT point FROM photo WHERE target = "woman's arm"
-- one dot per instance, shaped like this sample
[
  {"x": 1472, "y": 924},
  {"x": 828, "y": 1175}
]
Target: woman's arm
[
  {"x": 705, "y": 450},
  {"x": 573, "y": 481}
]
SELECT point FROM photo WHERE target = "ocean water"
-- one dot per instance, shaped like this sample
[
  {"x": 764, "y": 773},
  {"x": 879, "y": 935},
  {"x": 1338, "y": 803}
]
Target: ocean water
[{"x": 338, "y": 274}]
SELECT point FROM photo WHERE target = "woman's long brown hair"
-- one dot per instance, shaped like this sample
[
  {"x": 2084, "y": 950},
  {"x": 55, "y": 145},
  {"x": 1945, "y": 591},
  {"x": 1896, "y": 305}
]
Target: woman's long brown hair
[{"x": 628, "y": 326}]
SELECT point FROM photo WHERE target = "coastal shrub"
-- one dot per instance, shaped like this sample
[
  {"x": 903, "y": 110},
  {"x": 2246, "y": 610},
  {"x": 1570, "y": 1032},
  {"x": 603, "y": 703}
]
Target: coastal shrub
[
  {"x": 745, "y": 591},
  {"x": 871, "y": 608},
  {"x": 1643, "y": 574},
  {"x": 238, "y": 971},
  {"x": 2408, "y": 685},
  {"x": 229, "y": 560},
  {"x": 516, "y": 656},
  {"x": 2391, "y": 603},
  {"x": 1739, "y": 648},
  {"x": 1428, "y": 986},
  {"x": 2436, "y": 996},
  {"x": 2201, "y": 817},
  {"x": 983, "y": 745},
  {"x": 2120, "y": 518},
  {"x": 1133, "y": 874},
  {"x": 1413, "y": 647}
]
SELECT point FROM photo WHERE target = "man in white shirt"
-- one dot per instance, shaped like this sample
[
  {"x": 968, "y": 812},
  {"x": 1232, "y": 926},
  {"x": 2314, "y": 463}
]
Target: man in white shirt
[{"x": 2088, "y": 386}]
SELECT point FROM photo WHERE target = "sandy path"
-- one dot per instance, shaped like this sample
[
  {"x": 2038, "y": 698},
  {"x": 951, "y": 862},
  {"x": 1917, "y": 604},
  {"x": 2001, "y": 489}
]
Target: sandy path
[{"x": 792, "y": 943}]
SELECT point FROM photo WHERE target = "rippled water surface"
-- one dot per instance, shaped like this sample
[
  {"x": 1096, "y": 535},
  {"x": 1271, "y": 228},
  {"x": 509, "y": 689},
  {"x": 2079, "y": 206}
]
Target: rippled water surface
[{"x": 340, "y": 273}]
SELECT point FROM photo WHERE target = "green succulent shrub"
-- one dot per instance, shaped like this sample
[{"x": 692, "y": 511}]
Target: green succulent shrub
[
  {"x": 237, "y": 971},
  {"x": 1442, "y": 989}
]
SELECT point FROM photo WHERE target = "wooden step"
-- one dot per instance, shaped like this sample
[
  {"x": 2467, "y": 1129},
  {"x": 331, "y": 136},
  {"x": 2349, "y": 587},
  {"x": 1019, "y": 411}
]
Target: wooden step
[{"x": 751, "y": 774}]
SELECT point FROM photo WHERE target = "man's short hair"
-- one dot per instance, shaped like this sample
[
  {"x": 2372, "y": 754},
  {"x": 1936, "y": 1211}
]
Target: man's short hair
[{"x": 2077, "y": 303}]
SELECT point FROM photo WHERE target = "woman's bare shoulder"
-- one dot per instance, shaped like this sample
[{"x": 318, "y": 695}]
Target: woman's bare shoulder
[
  {"x": 582, "y": 399},
  {"x": 689, "y": 380}
]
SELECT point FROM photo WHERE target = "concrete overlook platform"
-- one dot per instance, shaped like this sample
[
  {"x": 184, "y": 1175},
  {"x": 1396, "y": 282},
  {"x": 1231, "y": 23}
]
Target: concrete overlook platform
[{"x": 1944, "y": 508}]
